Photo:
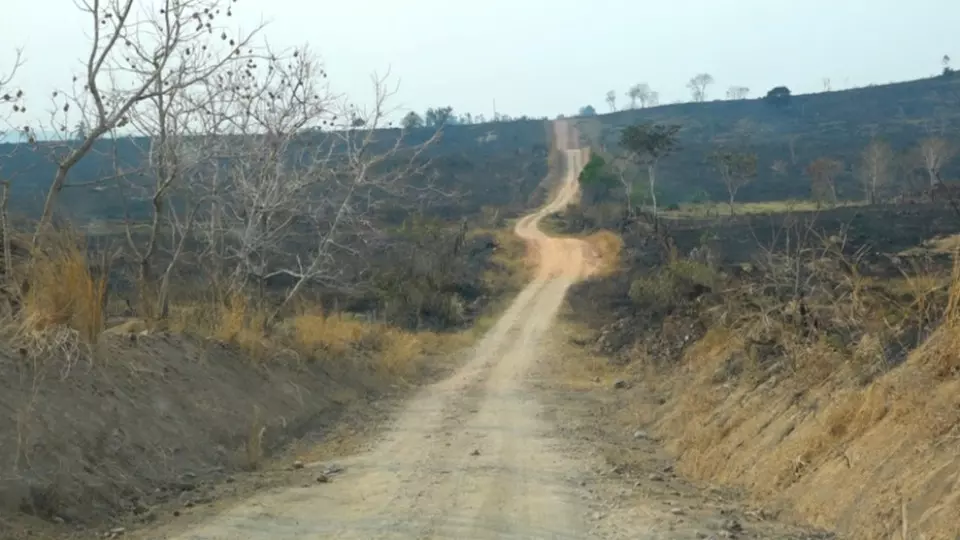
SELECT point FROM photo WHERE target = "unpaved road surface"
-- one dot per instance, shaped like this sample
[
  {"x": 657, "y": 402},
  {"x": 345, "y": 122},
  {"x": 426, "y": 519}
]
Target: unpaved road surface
[
  {"x": 467, "y": 458},
  {"x": 470, "y": 457}
]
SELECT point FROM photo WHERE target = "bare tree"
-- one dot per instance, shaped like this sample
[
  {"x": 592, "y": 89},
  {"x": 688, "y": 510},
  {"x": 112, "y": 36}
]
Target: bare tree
[
  {"x": 698, "y": 86},
  {"x": 876, "y": 163},
  {"x": 304, "y": 172},
  {"x": 737, "y": 92},
  {"x": 175, "y": 125},
  {"x": 612, "y": 100},
  {"x": 639, "y": 93},
  {"x": 653, "y": 99},
  {"x": 792, "y": 147},
  {"x": 135, "y": 56},
  {"x": 827, "y": 85},
  {"x": 823, "y": 173},
  {"x": 935, "y": 152},
  {"x": 737, "y": 170}
]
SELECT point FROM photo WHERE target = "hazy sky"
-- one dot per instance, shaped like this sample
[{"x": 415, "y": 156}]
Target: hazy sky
[{"x": 540, "y": 57}]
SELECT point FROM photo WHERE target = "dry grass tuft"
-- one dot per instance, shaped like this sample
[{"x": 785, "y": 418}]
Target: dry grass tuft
[
  {"x": 941, "y": 352},
  {"x": 253, "y": 447},
  {"x": 334, "y": 334},
  {"x": 63, "y": 291},
  {"x": 241, "y": 322},
  {"x": 397, "y": 352},
  {"x": 236, "y": 319},
  {"x": 311, "y": 334},
  {"x": 606, "y": 246}
]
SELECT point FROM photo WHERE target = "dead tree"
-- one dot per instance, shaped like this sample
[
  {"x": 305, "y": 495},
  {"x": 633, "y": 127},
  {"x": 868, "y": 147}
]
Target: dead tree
[
  {"x": 876, "y": 163},
  {"x": 300, "y": 171},
  {"x": 935, "y": 152},
  {"x": 169, "y": 49},
  {"x": 823, "y": 174}
]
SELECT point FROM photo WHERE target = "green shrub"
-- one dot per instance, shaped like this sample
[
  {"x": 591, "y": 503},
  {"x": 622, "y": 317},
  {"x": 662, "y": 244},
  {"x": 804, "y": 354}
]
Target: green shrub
[
  {"x": 658, "y": 291},
  {"x": 667, "y": 288},
  {"x": 694, "y": 272}
]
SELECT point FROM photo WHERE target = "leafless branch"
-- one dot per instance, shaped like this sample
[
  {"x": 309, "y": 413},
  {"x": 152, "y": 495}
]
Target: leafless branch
[
  {"x": 135, "y": 57},
  {"x": 11, "y": 99},
  {"x": 935, "y": 152},
  {"x": 301, "y": 175},
  {"x": 876, "y": 165}
]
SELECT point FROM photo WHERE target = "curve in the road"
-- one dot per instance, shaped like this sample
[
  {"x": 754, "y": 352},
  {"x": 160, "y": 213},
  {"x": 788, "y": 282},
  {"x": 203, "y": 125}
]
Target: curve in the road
[{"x": 468, "y": 458}]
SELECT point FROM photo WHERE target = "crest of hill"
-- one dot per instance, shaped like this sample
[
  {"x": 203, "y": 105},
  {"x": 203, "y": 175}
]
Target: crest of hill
[{"x": 837, "y": 124}]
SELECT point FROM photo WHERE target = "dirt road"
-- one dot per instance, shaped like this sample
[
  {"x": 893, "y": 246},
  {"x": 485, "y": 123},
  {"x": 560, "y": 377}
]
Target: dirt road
[
  {"x": 468, "y": 458},
  {"x": 472, "y": 457}
]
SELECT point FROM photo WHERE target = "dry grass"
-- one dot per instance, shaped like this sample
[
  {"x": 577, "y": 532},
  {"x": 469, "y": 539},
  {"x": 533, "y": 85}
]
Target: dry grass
[
  {"x": 63, "y": 292},
  {"x": 577, "y": 369},
  {"x": 253, "y": 447},
  {"x": 606, "y": 246},
  {"x": 394, "y": 352},
  {"x": 845, "y": 454},
  {"x": 236, "y": 319},
  {"x": 316, "y": 335},
  {"x": 715, "y": 209},
  {"x": 243, "y": 323},
  {"x": 511, "y": 269},
  {"x": 334, "y": 334},
  {"x": 944, "y": 244}
]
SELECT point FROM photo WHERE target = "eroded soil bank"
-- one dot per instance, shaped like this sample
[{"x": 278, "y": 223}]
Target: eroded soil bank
[
  {"x": 847, "y": 421},
  {"x": 158, "y": 417}
]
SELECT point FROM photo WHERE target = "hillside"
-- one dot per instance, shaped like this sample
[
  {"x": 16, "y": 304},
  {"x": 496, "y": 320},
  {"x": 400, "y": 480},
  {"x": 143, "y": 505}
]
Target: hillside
[
  {"x": 500, "y": 163},
  {"x": 835, "y": 124},
  {"x": 496, "y": 164}
]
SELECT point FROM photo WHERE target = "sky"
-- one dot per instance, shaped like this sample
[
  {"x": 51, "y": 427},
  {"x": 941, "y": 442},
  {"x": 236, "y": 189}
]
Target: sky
[{"x": 544, "y": 58}]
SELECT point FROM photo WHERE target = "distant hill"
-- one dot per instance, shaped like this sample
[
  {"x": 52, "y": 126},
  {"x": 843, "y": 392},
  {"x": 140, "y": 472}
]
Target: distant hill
[
  {"x": 498, "y": 164},
  {"x": 835, "y": 124},
  {"x": 501, "y": 164}
]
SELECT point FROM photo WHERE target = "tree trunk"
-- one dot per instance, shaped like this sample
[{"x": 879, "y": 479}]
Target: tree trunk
[
  {"x": 60, "y": 179},
  {"x": 652, "y": 174},
  {"x": 628, "y": 192},
  {"x": 5, "y": 232}
]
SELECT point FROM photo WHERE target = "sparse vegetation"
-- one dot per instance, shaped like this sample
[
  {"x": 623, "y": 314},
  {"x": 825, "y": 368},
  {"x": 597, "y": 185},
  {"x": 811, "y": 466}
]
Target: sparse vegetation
[
  {"x": 239, "y": 244},
  {"x": 788, "y": 338},
  {"x": 236, "y": 219},
  {"x": 781, "y": 306},
  {"x": 790, "y": 131}
]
